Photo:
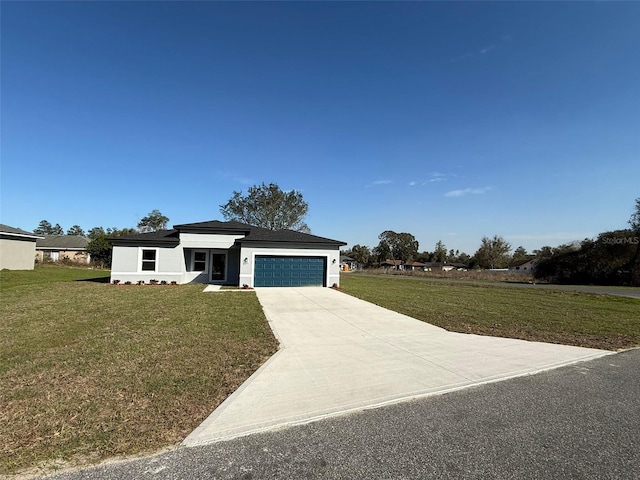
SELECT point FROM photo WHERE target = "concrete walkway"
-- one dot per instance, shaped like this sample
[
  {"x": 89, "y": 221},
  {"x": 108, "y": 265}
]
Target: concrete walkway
[{"x": 341, "y": 354}]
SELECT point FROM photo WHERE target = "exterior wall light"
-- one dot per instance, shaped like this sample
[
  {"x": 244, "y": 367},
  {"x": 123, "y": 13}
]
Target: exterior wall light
[
  {"x": 333, "y": 261},
  {"x": 245, "y": 261}
]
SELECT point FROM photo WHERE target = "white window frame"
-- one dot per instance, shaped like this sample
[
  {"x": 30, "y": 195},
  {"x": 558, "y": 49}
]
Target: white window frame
[
  {"x": 140, "y": 260},
  {"x": 206, "y": 261}
]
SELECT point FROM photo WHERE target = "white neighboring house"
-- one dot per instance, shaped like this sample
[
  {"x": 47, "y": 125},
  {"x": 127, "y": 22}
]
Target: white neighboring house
[
  {"x": 524, "y": 266},
  {"x": 17, "y": 248},
  {"x": 228, "y": 253}
]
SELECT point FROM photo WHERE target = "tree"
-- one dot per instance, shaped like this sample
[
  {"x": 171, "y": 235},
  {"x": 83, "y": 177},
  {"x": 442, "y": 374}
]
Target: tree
[
  {"x": 360, "y": 254},
  {"x": 603, "y": 261},
  {"x": 95, "y": 232},
  {"x": 493, "y": 253},
  {"x": 100, "y": 249},
  {"x": 440, "y": 253},
  {"x": 520, "y": 253},
  {"x": 153, "y": 222},
  {"x": 634, "y": 221},
  {"x": 269, "y": 207},
  {"x": 76, "y": 230},
  {"x": 400, "y": 246},
  {"x": 45, "y": 228}
]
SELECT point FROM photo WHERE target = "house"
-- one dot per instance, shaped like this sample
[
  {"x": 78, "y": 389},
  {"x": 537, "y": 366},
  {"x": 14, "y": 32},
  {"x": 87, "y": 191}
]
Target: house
[
  {"x": 392, "y": 264},
  {"x": 443, "y": 266},
  {"x": 17, "y": 248},
  {"x": 349, "y": 264},
  {"x": 525, "y": 265},
  {"x": 414, "y": 266},
  {"x": 230, "y": 253},
  {"x": 58, "y": 247}
]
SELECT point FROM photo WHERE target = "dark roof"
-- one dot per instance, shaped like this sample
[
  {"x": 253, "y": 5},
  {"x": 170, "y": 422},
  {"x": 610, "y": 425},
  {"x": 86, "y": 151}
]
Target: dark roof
[
  {"x": 158, "y": 237},
  {"x": 522, "y": 261},
  {"x": 63, "y": 242},
  {"x": 216, "y": 225},
  {"x": 258, "y": 234},
  {"x": 251, "y": 234},
  {"x": 17, "y": 231},
  {"x": 392, "y": 262}
]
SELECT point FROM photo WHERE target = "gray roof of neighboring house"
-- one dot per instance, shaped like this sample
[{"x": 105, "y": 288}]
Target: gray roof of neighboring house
[
  {"x": 252, "y": 234},
  {"x": 17, "y": 231},
  {"x": 62, "y": 242}
]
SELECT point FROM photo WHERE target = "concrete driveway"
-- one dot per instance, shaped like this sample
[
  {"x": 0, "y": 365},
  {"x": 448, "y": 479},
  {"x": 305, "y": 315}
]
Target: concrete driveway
[{"x": 340, "y": 354}]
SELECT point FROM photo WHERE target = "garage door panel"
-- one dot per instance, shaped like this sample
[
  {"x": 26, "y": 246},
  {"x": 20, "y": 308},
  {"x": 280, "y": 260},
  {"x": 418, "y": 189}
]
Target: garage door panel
[{"x": 289, "y": 271}]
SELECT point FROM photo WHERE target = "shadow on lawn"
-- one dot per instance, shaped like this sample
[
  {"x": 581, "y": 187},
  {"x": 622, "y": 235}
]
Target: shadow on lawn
[{"x": 95, "y": 280}]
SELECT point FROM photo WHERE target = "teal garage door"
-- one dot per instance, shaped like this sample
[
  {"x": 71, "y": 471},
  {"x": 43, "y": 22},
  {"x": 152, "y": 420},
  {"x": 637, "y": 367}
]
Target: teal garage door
[{"x": 273, "y": 271}]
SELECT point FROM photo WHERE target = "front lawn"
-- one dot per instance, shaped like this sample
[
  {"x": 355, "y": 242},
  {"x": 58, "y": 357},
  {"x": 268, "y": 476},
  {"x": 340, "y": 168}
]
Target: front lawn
[
  {"x": 90, "y": 370},
  {"x": 544, "y": 315}
]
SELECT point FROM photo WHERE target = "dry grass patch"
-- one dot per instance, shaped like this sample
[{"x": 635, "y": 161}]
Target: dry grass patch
[
  {"x": 587, "y": 320},
  {"x": 90, "y": 371}
]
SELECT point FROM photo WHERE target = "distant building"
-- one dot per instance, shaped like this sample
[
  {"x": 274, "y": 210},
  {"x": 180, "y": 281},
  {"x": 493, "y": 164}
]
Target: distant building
[
  {"x": 55, "y": 248},
  {"x": 17, "y": 248},
  {"x": 526, "y": 265}
]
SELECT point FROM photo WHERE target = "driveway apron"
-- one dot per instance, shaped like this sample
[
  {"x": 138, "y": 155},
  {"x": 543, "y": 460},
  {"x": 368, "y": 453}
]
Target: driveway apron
[{"x": 340, "y": 354}]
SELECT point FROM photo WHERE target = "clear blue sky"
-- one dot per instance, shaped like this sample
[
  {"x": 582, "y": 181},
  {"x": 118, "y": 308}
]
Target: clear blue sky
[{"x": 449, "y": 121}]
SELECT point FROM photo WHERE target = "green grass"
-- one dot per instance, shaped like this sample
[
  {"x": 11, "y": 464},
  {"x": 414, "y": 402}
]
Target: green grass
[
  {"x": 47, "y": 273},
  {"x": 588, "y": 320},
  {"x": 90, "y": 370}
]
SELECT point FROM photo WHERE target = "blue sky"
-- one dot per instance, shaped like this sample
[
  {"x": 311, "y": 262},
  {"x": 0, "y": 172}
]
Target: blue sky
[{"x": 450, "y": 121}]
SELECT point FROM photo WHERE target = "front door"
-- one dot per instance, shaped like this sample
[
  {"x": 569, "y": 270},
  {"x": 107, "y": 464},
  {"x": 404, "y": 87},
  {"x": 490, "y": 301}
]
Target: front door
[{"x": 218, "y": 263}]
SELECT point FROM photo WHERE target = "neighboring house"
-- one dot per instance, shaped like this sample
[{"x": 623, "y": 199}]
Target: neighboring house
[
  {"x": 348, "y": 264},
  {"x": 527, "y": 265},
  {"x": 229, "y": 253},
  {"x": 414, "y": 266},
  {"x": 17, "y": 248},
  {"x": 443, "y": 266},
  {"x": 57, "y": 247},
  {"x": 393, "y": 264}
]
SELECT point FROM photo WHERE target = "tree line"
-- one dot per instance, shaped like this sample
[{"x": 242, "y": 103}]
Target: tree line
[
  {"x": 494, "y": 252},
  {"x": 99, "y": 247},
  {"x": 612, "y": 258}
]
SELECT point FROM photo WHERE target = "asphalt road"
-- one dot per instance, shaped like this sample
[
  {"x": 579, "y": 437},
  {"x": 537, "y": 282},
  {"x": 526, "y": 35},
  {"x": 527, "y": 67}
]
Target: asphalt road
[{"x": 580, "y": 421}]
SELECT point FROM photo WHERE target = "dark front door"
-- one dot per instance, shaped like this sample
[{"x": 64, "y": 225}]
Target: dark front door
[{"x": 218, "y": 265}]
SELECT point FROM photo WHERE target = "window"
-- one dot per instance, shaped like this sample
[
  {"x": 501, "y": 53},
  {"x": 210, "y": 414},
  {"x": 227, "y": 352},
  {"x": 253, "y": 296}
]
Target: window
[
  {"x": 149, "y": 260},
  {"x": 199, "y": 261}
]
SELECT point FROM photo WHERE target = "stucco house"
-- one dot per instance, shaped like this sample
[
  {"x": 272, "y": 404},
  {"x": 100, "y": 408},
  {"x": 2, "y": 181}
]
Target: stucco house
[
  {"x": 229, "y": 253},
  {"x": 56, "y": 247},
  {"x": 17, "y": 248},
  {"x": 526, "y": 265}
]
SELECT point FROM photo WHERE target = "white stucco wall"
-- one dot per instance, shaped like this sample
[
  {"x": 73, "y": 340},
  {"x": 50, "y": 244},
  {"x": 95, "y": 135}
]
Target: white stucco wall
[
  {"x": 200, "y": 240},
  {"x": 126, "y": 264},
  {"x": 249, "y": 253}
]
